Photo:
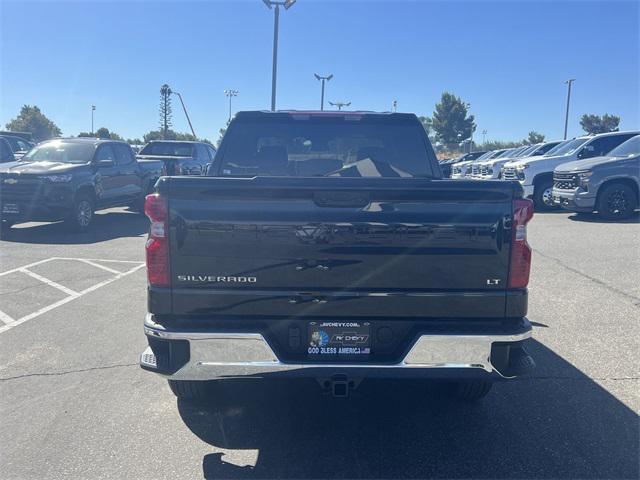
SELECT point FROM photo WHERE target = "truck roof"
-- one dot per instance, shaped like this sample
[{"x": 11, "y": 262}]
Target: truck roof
[
  {"x": 93, "y": 140},
  {"x": 174, "y": 141},
  {"x": 352, "y": 114}
]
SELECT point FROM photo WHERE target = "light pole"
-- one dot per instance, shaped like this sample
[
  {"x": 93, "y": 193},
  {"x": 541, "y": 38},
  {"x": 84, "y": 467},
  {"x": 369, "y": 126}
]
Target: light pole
[
  {"x": 230, "y": 93},
  {"x": 566, "y": 117},
  {"x": 340, "y": 104},
  {"x": 484, "y": 134},
  {"x": 93, "y": 109},
  {"x": 322, "y": 80},
  {"x": 287, "y": 4},
  {"x": 395, "y": 105},
  {"x": 185, "y": 113}
]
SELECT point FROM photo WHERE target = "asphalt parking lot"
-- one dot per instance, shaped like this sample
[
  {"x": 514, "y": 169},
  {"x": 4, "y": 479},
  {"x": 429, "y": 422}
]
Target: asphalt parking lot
[{"x": 75, "y": 404}]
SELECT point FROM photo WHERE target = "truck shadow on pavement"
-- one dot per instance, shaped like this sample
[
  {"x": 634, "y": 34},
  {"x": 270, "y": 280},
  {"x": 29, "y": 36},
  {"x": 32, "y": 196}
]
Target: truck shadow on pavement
[
  {"x": 557, "y": 424},
  {"x": 106, "y": 226},
  {"x": 594, "y": 218}
]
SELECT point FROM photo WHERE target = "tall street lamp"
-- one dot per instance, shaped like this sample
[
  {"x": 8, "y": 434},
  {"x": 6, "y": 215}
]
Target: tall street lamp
[
  {"x": 287, "y": 4},
  {"x": 185, "y": 113},
  {"x": 93, "y": 109},
  {"x": 339, "y": 104},
  {"x": 484, "y": 134},
  {"x": 230, "y": 93},
  {"x": 322, "y": 80},
  {"x": 566, "y": 117}
]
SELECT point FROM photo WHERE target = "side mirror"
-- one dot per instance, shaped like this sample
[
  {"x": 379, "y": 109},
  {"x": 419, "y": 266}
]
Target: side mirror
[{"x": 105, "y": 163}]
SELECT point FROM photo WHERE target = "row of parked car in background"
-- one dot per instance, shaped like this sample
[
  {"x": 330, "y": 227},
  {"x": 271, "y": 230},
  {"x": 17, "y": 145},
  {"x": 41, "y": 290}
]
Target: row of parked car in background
[
  {"x": 13, "y": 145},
  {"x": 70, "y": 178},
  {"x": 592, "y": 173}
]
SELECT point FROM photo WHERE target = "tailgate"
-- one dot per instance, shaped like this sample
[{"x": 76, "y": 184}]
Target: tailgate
[{"x": 337, "y": 247}]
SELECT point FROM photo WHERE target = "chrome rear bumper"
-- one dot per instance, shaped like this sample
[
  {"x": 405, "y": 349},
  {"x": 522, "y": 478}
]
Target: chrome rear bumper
[{"x": 228, "y": 355}]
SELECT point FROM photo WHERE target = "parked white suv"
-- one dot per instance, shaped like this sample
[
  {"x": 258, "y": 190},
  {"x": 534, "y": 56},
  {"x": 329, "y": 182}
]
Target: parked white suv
[
  {"x": 506, "y": 155},
  {"x": 462, "y": 169},
  {"x": 490, "y": 169},
  {"x": 535, "y": 174}
]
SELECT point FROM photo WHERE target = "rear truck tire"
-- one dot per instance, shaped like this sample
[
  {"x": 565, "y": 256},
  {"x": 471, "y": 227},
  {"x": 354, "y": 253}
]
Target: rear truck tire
[
  {"x": 542, "y": 195},
  {"x": 470, "y": 390},
  {"x": 617, "y": 201},
  {"x": 189, "y": 389},
  {"x": 138, "y": 206},
  {"x": 81, "y": 216}
]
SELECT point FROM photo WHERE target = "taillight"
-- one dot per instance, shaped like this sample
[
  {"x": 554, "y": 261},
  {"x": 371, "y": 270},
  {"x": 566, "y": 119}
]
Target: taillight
[
  {"x": 520, "y": 249},
  {"x": 157, "y": 246}
]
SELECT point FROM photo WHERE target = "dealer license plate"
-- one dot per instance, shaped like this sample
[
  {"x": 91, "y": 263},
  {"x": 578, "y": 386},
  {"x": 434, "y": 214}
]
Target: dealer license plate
[{"x": 338, "y": 339}]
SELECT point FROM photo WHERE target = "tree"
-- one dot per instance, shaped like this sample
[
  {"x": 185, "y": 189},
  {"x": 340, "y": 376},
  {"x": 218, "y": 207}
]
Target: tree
[
  {"x": 31, "y": 119},
  {"x": 533, "y": 138},
  {"x": 501, "y": 145},
  {"x": 102, "y": 133},
  {"x": 450, "y": 120},
  {"x": 134, "y": 141},
  {"x": 599, "y": 124},
  {"x": 427, "y": 123},
  {"x": 221, "y": 132},
  {"x": 171, "y": 135},
  {"x": 165, "y": 110}
]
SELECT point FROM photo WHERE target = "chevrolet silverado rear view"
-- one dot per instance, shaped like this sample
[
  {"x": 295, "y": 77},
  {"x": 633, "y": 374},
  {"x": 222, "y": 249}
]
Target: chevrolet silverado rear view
[{"x": 328, "y": 245}]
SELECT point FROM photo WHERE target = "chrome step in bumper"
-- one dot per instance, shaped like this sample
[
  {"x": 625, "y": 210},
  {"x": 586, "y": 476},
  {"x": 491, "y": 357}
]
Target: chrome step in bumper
[{"x": 227, "y": 355}]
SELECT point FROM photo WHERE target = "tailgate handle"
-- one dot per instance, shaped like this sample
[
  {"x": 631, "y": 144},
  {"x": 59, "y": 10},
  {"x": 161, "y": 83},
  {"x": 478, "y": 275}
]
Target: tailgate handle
[{"x": 341, "y": 199}]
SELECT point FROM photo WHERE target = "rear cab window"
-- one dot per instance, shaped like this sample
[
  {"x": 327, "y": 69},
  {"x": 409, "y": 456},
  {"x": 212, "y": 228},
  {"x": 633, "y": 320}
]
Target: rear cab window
[
  {"x": 124, "y": 155},
  {"x": 168, "y": 149},
  {"x": 299, "y": 145}
]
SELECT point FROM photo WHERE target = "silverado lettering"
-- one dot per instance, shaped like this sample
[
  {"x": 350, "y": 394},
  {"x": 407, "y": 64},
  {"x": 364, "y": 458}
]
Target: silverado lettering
[{"x": 213, "y": 279}]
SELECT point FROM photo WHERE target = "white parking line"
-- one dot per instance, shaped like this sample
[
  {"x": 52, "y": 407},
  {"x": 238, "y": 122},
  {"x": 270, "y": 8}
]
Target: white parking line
[
  {"x": 17, "y": 269},
  {"x": 6, "y": 318},
  {"x": 51, "y": 283},
  {"x": 72, "y": 295},
  {"x": 97, "y": 265}
]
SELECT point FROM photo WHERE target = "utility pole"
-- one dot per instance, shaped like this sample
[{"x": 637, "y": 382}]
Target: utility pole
[
  {"x": 484, "y": 134},
  {"x": 186, "y": 114},
  {"x": 287, "y": 4},
  {"x": 566, "y": 117},
  {"x": 230, "y": 93},
  {"x": 322, "y": 80},
  {"x": 340, "y": 104},
  {"x": 93, "y": 109}
]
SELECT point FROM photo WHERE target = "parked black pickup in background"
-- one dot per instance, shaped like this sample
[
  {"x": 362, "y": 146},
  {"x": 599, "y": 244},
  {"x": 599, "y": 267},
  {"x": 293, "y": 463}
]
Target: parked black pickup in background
[{"x": 178, "y": 157}]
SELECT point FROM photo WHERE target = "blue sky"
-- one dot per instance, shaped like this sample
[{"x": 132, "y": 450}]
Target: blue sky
[{"x": 508, "y": 59}]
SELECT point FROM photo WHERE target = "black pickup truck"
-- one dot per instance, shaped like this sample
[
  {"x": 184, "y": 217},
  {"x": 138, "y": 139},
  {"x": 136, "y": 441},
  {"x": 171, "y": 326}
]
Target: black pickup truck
[
  {"x": 178, "y": 157},
  {"x": 326, "y": 245},
  {"x": 70, "y": 178}
]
